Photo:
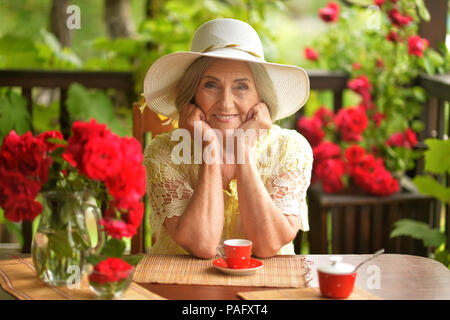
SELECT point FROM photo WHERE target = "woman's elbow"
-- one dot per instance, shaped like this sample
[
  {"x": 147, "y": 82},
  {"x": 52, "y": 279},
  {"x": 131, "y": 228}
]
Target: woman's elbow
[{"x": 206, "y": 252}]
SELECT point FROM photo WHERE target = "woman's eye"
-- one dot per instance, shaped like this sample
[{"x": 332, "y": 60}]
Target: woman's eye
[
  {"x": 242, "y": 86},
  {"x": 210, "y": 84}
]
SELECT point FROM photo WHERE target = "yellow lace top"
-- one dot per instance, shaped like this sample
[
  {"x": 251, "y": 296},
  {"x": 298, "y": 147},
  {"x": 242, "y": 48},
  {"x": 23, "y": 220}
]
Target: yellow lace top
[{"x": 283, "y": 158}]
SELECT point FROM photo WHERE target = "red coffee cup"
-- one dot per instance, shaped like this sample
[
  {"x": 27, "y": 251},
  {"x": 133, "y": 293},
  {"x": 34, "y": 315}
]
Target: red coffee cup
[
  {"x": 237, "y": 253},
  {"x": 336, "y": 280}
]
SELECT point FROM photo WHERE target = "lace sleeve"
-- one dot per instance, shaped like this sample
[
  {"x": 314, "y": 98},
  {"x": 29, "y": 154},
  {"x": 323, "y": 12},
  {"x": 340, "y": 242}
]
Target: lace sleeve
[
  {"x": 169, "y": 192},
  {"x": 287, "y": 187}
]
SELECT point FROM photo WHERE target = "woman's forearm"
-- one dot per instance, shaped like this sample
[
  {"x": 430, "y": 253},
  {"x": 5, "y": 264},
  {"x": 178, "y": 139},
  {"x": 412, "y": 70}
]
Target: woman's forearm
[
  {"x": 262, "y": 221},
  {"x": 199, "y": 229}
]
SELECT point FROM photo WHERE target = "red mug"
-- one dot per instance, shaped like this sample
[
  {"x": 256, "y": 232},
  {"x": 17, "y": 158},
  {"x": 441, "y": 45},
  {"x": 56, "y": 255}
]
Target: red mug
[
  {"x": 237, "y": 253},
  {"x": 336, "y": 280}
]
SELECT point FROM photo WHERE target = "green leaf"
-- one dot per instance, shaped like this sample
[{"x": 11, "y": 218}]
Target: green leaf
[
  {"x": 133, "y": 259},
  {"x": 423, "y": 11},
  {"x": 437, "y": 157},
  {"x": 430, "y": 187},
  {"x": 428, "y": 65},
  {"x": 434, "y": 57},
  {"x": 418, "y": 230},
  {"x": 57, "y": 141},
  {"x": 94, "y": 259},
  {"x": 114, "y": 248},
  {"x": 13, "y": 114},
  {"x": 60, "y": 244}
]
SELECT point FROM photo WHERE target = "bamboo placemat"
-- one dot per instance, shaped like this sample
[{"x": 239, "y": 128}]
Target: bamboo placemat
[
  {"x": 18, "y": 277},
  {"x": 284, "y": 272},
  {"x": 302, "y": 294}
]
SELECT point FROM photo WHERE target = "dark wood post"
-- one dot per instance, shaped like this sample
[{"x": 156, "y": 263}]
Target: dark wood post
[{"x": 435, "y": 30}]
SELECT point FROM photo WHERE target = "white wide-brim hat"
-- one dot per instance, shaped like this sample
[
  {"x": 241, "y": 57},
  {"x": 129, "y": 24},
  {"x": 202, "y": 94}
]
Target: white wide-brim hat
[{"x": 227, "y": 39}]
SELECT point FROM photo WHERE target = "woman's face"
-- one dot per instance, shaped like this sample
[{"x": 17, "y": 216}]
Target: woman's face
[{"x": 226, "y": 93}]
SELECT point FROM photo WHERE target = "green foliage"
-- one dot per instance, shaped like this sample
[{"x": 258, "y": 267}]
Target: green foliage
[
  {"x": 42, "y": 52},
  {"x": 418, "y": 230},
  {"x": 14, "y": 114},
  {"x": 437, "y": 161},
  {"x": 431, "y": 187},
  {"x": 84, "y": 104},
  {"x": 437, "y": 157}
]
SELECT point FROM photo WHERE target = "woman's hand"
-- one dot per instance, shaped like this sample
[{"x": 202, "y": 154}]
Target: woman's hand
[
  {"x": 258, "y": 117},
  {"x": 189, "y": 115}
]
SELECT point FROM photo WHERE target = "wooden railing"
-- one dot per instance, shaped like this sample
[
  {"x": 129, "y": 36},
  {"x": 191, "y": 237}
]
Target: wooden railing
[{"x": 437, "y": 87}]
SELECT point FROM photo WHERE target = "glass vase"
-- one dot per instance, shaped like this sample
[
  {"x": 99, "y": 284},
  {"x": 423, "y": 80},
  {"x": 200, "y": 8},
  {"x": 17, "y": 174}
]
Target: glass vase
[
  {"x": 62, "y": 241},
  {"x": 110, "y": 290}
]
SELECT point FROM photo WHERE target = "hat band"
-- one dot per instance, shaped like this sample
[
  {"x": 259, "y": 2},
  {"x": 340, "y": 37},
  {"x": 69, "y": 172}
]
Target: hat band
[{"x": 234, "y": 46}]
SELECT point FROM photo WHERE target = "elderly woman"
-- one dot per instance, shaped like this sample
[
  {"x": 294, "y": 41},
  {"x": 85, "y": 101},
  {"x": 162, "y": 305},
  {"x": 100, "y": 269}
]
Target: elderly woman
[{"x": 222, "y": 85}]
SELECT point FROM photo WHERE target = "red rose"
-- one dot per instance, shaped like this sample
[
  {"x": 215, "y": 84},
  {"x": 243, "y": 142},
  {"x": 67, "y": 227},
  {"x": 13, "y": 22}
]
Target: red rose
[
  {"x": 110, "y": 270},
  {"x": 379, "y": 2},
  {"x": 25, "y": 154},
  {"x": 377, "y": 117},
  {"x": 396, "y": 140},
  {"x": 382, "y": 183},
  {"x": 102, "y": 157},
  {"x": 354, "y": 154},
  {"x": 20, "y": 207},
  {"x": 131, "y": 150},
  {"x": 330, "y": 171},
  {"x": 356, "y": 65},
  {"x": 326, "y": 150},
  {"x": 408, "y": 139},
  {"x": 362, "y": 86},
  {"x": 325, "y": 116},
  {"x": 129, "y": 185},
  {"x": 311, "y": 129},
  {"x": 14, "y": 183},
  {"x": 393, "y": 36},
  {"x": 311, "y": 54},
  {"x": 416, "y": 45},
  {"x": 351, "y": 123},
  {"x": 398, "y": 19},
  {"x": 330, "y": 13},
  {"x": 50, "y": 134},
  {"x": 380, "y": 63},
  {"x": 116, "y": 228},
  {"x": 82, "y": 133},
  {"x": 135, "y": 214},
  {"x": 411, "y": 138}
]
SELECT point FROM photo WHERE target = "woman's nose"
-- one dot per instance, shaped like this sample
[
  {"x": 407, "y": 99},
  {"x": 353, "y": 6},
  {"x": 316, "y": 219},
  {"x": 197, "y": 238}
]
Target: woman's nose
[{"x": 227, "y": 98}]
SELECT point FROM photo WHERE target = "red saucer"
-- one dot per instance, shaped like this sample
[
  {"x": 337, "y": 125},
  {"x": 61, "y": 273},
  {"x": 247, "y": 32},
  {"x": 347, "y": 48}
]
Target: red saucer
[{"x": 253, "y": 266}]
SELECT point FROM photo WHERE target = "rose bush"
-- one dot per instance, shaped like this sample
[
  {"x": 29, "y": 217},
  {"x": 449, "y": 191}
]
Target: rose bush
[
  {"x": 370, "y": 143},
  {"x": 93, "y": 159}
]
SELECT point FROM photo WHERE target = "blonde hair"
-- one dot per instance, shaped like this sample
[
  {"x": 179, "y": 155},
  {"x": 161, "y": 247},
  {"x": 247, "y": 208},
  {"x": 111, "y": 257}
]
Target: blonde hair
[{"x": 187, "y": 86}]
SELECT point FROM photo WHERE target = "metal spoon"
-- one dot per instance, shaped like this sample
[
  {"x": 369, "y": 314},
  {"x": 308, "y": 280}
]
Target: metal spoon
[{"x": 372, "y": 257}]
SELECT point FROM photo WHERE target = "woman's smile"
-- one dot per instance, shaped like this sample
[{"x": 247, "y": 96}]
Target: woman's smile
[{"x": 225, "y": 118}]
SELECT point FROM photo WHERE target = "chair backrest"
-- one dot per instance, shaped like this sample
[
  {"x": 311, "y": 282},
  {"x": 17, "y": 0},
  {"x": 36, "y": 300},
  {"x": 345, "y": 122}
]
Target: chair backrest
[{"x": 143, "y": 122}]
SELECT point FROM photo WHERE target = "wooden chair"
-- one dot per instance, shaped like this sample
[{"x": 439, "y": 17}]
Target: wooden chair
[{"x": 143, "y": 122}]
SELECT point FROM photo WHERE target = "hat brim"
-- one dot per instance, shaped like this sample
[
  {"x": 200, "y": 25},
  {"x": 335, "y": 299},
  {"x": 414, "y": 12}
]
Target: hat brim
[{"x": 291, "y": 83}]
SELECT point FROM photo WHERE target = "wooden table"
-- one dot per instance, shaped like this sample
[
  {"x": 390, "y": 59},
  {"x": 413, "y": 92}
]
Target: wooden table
[{"x": 401, "y": 277}]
